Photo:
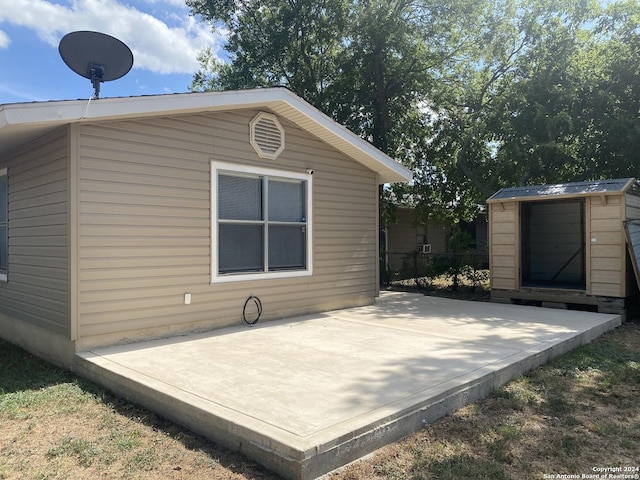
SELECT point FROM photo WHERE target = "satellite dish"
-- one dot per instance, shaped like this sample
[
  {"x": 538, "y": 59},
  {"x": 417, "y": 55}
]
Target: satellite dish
[{"x": 96, "y": 56}]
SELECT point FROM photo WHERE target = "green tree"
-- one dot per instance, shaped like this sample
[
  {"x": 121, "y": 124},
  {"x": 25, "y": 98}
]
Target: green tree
[
  {"x": 552, "y": 96},
  {"x": 611, "y": 146},
  {"x": 281, "y": 42},
  {"x": 507, "y": 116},
  {"x": 472, "y": 95}
]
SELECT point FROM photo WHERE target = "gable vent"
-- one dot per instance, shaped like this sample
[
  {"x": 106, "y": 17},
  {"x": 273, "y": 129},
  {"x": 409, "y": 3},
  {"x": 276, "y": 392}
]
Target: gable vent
[{"x": 267, "y": 135}]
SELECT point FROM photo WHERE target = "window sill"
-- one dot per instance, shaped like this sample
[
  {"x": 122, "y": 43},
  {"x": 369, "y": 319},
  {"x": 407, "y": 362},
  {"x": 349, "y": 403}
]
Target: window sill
[{"x": 248, "y": 277}]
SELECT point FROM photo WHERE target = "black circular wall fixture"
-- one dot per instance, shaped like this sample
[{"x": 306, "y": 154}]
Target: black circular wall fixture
[{"x": 258, "y": 304}]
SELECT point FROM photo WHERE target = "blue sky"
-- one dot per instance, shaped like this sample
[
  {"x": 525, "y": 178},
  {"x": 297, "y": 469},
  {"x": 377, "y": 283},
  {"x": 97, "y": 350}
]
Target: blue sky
[{"x": 164, "y": 39}]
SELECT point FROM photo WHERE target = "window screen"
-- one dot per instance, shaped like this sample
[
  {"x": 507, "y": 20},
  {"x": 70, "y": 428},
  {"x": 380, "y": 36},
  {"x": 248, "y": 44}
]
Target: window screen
[
  {"x": 261, "y": 223},
  {"x": 286, "y": 201},
  {"x": 239, "y": 198},
  {"x": 286, "y": 247},
  {"x": 240, "y": 248}
]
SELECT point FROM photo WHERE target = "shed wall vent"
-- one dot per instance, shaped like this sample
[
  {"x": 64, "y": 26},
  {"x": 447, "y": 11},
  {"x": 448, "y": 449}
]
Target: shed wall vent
[{"x": 267, "y": 135}]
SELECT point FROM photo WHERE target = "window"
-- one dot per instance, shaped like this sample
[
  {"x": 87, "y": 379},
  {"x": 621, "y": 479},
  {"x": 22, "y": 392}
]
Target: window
[
  {"x": 261, "y": 226},
  {"x": 3, "y": 224}
]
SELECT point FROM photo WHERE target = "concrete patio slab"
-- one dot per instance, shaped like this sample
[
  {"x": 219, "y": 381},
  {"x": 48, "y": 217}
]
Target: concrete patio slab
[{"x": 306, "y": 395}]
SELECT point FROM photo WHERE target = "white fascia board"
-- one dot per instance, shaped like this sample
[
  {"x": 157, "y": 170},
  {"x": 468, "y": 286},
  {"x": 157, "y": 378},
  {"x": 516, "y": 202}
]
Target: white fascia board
[
  {"x": 329, "y": 130},
  {"x": 71, "y": 111}
]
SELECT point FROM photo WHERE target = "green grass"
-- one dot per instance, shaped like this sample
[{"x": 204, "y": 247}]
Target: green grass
[{"x": 85, "y": 451}]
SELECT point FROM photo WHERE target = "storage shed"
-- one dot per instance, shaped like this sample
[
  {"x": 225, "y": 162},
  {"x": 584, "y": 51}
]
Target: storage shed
[
  {"x": 564, "y": 245},
  {"x": 124, "y": 219}
]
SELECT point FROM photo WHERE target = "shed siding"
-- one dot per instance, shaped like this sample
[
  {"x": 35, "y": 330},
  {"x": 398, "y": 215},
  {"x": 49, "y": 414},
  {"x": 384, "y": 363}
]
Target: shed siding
[
  {"x": 144, "y": 227},
  {"x": 607, "y": 260},
  {"x": 503, "y": 245},
  {"x": 632, "y": 207},
  {"x": 632, "y": 212},
  {"x": 37, "y": 290}
]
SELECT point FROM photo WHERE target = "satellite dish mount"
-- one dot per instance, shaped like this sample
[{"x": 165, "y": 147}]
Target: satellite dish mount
[
  {"x": 96, "y": 74},
  {"x": 96, "y": 56}
]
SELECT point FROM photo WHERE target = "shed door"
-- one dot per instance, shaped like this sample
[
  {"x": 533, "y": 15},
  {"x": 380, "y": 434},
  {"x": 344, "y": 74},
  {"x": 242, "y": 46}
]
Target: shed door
[
  {"x": 632, "y": 229},
  {"x": 553, "y": 248}
]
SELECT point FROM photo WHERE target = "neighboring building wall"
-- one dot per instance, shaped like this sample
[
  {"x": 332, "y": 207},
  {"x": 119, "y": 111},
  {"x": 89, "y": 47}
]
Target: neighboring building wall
[
  {"x": 144, "y": 227},
  {"x": 404, "y": 236},
  {"x": 482, "y": 234},
  {"x": 606, "y": 252},
  {"x": 35, "y": 297},
  {"x": 436, "y": 235},
  {"x": 504, "y": 221}
]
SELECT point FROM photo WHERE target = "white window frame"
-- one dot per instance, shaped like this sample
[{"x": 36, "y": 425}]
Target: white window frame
[
  {"x": 3, "y": 276},
  {"x": 231, "y": 168}
]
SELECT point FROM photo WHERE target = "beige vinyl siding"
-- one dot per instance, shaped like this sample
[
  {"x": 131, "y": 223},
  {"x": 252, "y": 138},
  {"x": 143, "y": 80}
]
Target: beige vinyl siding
[
  {"x": 606, "y": 238},
  {"x": 37, "y": 290},
  {"x": 503, "y": 244},
  {"x": 144, "y": 227}
]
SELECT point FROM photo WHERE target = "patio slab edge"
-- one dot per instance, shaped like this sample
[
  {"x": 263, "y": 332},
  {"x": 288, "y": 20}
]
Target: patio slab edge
[
  {"x": 298, "y": 458},
  {"x": 468, "y": 389}
]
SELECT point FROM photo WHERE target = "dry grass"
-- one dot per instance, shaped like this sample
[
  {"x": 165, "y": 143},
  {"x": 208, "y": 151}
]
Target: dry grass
[
  {"x": 579, "y": 412},
  {"x": 474, "y": 287},
  {"x": 54, "y": 425}
]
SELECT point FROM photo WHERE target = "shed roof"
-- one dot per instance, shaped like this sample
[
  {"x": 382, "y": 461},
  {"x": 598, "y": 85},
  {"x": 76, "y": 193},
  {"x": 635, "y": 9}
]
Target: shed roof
[
  {"x": 563, "y": 190},
  {"x": 24, "y": 122}
]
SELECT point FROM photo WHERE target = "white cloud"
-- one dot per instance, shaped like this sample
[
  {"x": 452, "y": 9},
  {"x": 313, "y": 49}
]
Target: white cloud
[
  {"x": 175, "y": 3},
  {"x": 4, "y": 40},
  {"x": 20, "y": 94},
  {"x": 157, "y": 46}
]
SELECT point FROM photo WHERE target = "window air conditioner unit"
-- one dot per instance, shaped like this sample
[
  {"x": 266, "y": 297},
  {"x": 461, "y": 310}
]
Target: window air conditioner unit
[{"x": 426, "y": 248}]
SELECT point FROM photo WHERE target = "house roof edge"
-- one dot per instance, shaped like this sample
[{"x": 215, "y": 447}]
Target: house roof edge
[{"x": 36, "y": 116}]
